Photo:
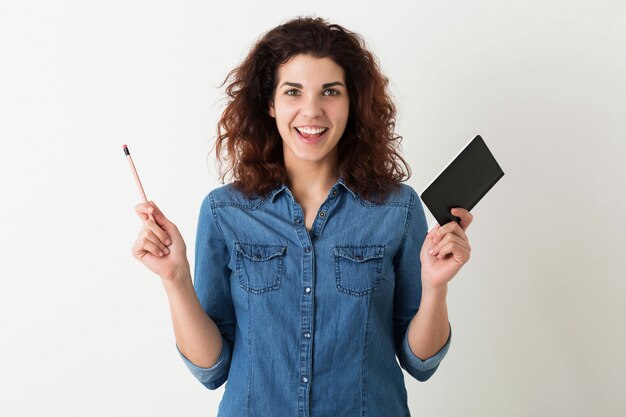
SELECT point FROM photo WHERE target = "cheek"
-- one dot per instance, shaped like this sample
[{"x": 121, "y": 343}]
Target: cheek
[
  {"x": 340, "y": 112},
  {"x": 284, "y": 113}
]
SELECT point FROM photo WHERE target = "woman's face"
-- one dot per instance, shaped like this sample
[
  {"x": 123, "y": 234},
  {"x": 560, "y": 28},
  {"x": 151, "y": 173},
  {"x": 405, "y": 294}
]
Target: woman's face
[{"x": 311, "y": 109}]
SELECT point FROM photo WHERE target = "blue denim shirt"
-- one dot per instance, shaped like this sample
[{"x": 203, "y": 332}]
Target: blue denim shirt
[{"x": 311, "y": 321}]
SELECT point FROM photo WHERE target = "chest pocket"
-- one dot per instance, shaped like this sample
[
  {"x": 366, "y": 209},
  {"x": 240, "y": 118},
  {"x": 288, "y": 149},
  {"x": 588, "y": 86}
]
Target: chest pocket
[
  {"x": 358, "y": 268},
  {"x": 259, "y": 266}
]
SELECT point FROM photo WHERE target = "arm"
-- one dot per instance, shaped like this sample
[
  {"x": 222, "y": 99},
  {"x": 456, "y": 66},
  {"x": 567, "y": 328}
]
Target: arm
[
  {"x": 443, "y": 253},
  {"x": 445, "y": 250},
  {"x": 421, "y": 328},
  {"x": 202, "y": 313},
  {"x": 197, "y": 336},
  {"x": 429, "y": 330}
]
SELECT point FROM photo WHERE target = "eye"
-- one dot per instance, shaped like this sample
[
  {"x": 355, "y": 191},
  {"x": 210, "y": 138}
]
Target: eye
[
  {"x": 292, "y": 92},
  {"x": 331, "y": 92}
]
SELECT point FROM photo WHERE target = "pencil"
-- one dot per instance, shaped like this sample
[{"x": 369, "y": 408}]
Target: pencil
[{"x": 137, "y": 180}]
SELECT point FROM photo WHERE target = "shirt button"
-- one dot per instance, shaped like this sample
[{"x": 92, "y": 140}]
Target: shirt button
[
  {"x": 307, "y": 249},
  {"x": 298, "y": 220},
  {"x": 322, "y": 214},
  {"x": 305, "y": 379},
  {"x": 307, "y": 290},
  {"x": 334, "y": 192},
  {"x": 307, "y": 335}
]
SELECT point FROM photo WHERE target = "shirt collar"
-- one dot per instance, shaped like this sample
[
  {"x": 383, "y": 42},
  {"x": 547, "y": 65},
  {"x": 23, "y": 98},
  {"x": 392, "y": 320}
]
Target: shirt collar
[
  {"x": 283, "y": 187},
  {"x": 276, "y": 191}
]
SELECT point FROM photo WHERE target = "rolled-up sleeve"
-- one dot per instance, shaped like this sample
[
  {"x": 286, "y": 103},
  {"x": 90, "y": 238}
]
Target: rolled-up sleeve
[
  {"x": 408, "y": 293},
  {"x": 212, "y": 286},
  {"x": 214, "y": 376},
  {"x": 421, "y": 369}
]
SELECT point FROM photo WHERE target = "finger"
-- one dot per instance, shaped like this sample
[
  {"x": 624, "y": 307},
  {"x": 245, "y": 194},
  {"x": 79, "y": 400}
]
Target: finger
[
  {"x": 161, "y": 234},
  {"x": 466, "y": 216},
  {"x": 447, "y": 240},
  {"x": 450, "y": 227},
  {"x": 459, "y": 253},
  {"x": 150, "y": 236},
  {"x": 151, "y": 243},
  {"x": 142, "y": 210},
  {"x": 158, "y": 215},
  {"x": 143, "y": 248},
  {"x": 433, "y": 233}
]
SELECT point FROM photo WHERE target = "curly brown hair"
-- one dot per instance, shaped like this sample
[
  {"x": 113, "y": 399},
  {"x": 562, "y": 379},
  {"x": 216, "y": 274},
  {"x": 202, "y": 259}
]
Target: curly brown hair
[{"x": 247, "y": 136}]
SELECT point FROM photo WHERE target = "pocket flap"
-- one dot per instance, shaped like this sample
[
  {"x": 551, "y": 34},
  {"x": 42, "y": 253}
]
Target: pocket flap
[
  {"x": 260, "y": 251},
  {"x": 359, "y": 253}
]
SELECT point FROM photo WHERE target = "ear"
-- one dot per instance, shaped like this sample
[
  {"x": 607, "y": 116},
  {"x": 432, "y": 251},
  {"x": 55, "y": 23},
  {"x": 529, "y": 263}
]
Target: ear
[{"x": 271, "y": 111}]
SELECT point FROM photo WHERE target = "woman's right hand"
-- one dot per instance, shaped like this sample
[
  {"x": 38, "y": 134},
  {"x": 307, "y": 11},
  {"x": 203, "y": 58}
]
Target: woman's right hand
[{"x": 159, "y": 245}]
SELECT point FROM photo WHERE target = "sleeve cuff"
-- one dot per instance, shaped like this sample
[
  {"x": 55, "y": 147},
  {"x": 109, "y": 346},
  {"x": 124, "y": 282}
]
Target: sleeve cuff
[
  {"x": 422, "y": 369},
  {"x": 214, "y": 376}
]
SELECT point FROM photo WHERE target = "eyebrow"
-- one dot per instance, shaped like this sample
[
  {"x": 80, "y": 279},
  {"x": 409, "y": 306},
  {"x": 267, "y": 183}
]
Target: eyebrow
[{"x": 297, "y": 85}]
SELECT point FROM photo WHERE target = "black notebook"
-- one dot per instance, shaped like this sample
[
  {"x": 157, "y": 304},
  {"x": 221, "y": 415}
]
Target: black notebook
[{"x": 464, "y": 182}]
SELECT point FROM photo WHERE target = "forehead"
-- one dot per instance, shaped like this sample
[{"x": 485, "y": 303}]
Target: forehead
[{"x": 306, "y": 68}]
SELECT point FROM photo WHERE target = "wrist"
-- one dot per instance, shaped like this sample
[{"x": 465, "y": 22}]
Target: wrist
[
  {"x": 429, "y": 291},
  {"x": 179, "y": 278}
]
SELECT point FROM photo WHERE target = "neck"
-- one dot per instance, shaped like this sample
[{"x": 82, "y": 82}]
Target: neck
[{"x": 310, "y": 181}]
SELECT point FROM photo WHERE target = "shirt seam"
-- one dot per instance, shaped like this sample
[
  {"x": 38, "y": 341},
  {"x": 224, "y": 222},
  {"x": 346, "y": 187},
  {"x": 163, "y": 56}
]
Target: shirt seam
[
  {"x": 250, "y": 367},
  {"x": 215, "y": 219},
  {"x": 363, "y": 385},
  {"x": 409, "y": 214}
]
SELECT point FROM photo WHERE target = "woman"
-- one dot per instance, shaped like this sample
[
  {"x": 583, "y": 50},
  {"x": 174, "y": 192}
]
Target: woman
[{"x": 314, "y": 268}]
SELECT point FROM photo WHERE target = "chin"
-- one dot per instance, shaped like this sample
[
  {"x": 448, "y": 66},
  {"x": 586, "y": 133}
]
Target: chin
[{"x": 309, "y": 158}]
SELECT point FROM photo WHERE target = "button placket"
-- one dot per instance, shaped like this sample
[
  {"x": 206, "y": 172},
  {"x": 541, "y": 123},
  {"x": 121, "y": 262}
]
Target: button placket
[{"x": 307, "y": 307}]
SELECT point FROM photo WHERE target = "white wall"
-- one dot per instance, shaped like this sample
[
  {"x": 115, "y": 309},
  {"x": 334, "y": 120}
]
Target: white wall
[{"x": 537, "y": 314}]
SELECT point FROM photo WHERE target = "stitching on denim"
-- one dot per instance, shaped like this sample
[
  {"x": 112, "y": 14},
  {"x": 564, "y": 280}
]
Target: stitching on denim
[
  {"x": 406, "y": 222},
  {"x": 363, "y": 385},
  {"x": 376, "y": 261},
  {"x": 277, "y": 274},
  {"x": 250, "y": 362},
  {"x": 214, "y": 215}
]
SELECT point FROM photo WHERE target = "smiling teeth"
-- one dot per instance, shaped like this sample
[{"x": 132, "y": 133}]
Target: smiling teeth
[{"x": 310, "y": 131}]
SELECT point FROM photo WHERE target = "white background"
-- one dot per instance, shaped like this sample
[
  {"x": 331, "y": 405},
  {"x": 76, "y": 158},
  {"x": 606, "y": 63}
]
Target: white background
[{"x": 537, "y": 314}]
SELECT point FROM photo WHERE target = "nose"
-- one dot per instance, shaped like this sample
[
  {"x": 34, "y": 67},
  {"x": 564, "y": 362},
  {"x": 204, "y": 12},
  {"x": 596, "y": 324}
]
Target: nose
[{"x": 312, "y": 106}]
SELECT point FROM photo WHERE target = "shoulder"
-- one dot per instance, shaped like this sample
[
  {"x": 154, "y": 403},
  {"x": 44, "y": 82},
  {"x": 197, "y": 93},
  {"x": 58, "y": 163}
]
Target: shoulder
[
  {"x": 403, "y": 195},
  {"x": 228, "y": 195}
]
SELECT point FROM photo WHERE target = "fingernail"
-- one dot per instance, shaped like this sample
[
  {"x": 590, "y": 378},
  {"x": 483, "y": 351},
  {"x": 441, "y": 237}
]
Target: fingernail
[
  {"x": 431, "y": 252},
  {"x": 160, "y": 253},
  {"x": 166, "y": 250},
  {"x": 168, "y": 242}
]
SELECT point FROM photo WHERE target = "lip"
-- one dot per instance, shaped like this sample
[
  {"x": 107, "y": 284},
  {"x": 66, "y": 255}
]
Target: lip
[
  {"x": 312, "y": 127},
  {"x": 311, "y": 141}
]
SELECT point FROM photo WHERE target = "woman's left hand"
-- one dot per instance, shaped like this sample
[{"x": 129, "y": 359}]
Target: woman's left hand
[{"x": 445, "y": 250}]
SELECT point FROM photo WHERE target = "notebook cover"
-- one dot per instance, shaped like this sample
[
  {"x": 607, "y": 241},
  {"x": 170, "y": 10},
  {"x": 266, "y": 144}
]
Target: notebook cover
[{"x": 464, "y": 182}]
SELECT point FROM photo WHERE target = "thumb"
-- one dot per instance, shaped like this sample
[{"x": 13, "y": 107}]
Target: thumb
[{"x": 159, "y": 217}]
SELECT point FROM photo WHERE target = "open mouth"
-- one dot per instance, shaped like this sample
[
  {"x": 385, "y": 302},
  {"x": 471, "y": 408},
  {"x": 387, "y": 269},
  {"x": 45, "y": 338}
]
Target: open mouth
[{"x": 311, "y": 133}]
